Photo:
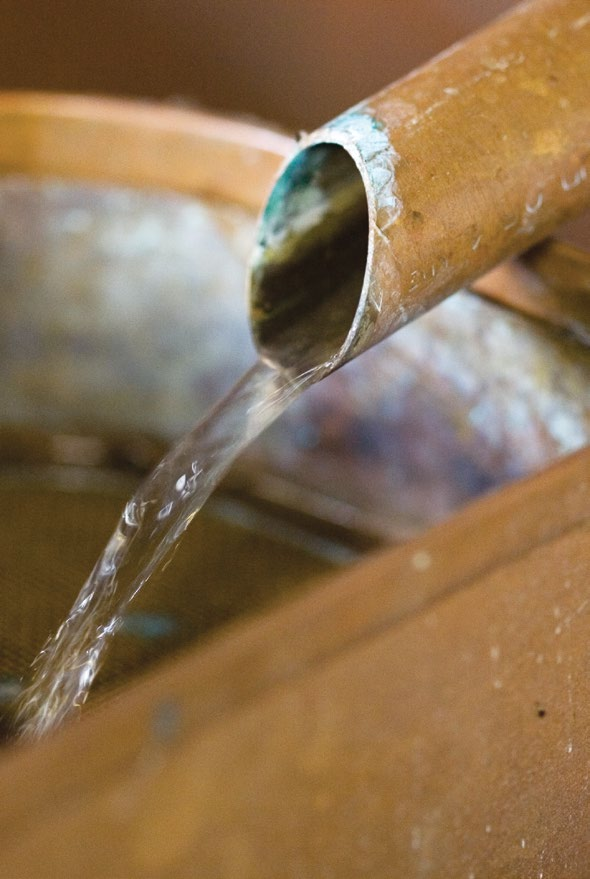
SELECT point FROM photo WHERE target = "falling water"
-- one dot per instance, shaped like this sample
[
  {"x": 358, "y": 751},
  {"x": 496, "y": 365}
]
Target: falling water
[{"x": 150, "y": 526}]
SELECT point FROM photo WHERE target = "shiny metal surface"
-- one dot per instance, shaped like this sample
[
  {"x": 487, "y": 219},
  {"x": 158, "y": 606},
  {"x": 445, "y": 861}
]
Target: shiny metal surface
[{"x": 122, "y": 320}]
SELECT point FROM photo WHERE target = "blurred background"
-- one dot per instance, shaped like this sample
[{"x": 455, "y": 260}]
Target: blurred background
[
  {"x": 293, "y": 62},
  {"x": 377, "y": 453}
]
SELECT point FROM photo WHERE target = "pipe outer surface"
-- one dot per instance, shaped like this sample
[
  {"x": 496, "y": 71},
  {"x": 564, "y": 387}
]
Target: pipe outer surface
[{"x": 474, "y": 157}]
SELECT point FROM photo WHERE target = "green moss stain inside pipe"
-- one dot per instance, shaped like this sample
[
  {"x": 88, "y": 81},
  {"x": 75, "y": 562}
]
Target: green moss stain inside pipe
[{"x": 309, "y": 263}]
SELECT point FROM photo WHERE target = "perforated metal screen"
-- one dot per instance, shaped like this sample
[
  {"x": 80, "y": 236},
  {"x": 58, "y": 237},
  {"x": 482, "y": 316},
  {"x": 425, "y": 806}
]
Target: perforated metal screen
[{"x": 53, "y": 524}]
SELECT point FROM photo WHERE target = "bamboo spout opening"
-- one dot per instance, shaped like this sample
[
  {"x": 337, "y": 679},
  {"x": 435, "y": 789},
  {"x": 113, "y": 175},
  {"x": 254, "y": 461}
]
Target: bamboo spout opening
[{"x": 309, "y": 265}]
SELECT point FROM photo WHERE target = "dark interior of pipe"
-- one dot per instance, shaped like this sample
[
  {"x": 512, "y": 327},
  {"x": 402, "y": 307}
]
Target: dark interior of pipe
[{"x": 307, "y": 274}]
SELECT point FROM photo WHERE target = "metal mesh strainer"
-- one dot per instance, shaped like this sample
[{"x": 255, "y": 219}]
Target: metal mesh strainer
[
  {"x": 55, "y": 521},
  {"x": 121, "y": 322}
]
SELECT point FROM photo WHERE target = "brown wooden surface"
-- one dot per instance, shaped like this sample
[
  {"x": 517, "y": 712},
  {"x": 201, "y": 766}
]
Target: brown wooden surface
[{"x": 425, "y": 713}]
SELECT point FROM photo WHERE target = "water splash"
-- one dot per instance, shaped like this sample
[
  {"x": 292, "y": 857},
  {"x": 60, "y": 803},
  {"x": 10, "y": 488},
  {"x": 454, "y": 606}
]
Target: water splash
[{"x": 149, "y": 528}]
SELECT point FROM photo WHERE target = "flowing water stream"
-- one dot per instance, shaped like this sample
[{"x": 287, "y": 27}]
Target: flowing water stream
[{"x": 148, "y": 530}]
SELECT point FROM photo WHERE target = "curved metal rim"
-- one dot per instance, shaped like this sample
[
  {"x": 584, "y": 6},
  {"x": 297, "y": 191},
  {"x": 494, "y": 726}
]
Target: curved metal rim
[{"x": 139, "y": 144}]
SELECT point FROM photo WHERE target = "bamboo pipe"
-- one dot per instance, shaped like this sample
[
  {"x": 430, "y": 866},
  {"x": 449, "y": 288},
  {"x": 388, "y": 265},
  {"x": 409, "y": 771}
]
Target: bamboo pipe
[{"x": 424, "y": 187}]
